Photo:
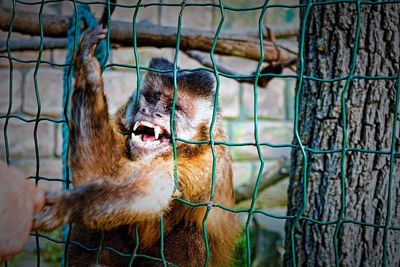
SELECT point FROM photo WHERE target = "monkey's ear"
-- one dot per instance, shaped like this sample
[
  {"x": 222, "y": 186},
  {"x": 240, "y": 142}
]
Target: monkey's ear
[
  {"x": 160, "y": 64},
  {"x": 201, "y": 83}
]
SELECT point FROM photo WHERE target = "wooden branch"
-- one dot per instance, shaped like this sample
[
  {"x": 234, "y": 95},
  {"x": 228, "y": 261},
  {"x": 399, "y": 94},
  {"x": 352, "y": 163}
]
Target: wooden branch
[
  {"x": 149, "y": 35},
  {"x": 33, "y": 44},
  {"x": 273, "y": 68},
  {"x": 271, "y": 176}
]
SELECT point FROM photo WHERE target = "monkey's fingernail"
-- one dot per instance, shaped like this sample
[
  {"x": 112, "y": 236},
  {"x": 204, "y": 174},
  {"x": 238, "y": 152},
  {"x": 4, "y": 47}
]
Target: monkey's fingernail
[
  {"x": 157, "y": 131},
  {"x": 136, "y": 125}
]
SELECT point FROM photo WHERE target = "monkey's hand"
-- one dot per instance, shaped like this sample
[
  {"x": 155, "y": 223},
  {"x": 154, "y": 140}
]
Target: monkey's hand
[
  {"x": 54, "y": 214},
  {"x": 87, "y": 46}
]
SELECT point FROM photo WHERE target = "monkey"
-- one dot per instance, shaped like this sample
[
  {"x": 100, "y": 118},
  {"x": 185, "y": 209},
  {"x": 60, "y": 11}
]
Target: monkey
[{"x": 124, "y": 184}]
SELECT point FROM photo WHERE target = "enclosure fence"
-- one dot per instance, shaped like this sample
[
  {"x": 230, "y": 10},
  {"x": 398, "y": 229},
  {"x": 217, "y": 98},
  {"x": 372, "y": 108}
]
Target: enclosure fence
[{"x": 81, "y": 12}]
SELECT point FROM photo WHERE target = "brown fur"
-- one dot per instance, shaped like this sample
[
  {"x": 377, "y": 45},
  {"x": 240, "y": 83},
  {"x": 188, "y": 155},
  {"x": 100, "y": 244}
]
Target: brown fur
[{"x": 110, "y": 177}]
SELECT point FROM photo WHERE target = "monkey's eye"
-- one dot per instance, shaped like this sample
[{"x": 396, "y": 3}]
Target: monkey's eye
[{"x": 169, "y": 107}]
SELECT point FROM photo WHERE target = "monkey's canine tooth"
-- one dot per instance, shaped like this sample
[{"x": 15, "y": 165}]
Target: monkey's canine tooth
[
  {"x": 136, "y": 125},
  {"x": 157, "y": 131}
]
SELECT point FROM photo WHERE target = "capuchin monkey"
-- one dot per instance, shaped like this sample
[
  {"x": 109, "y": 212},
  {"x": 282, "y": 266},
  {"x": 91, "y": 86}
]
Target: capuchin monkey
[{"x": 124, "y": 183}]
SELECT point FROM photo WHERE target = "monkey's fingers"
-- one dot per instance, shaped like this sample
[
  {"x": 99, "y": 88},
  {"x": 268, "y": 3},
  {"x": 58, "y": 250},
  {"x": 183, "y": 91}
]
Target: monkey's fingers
[
  {"x": 48, "y": 219},
  {"x": 96, "y": 34},
  {"x": 90, "y": 39}
]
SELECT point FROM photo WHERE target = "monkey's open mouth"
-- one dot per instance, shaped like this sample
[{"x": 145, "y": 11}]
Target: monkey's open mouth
[{"x": 149, "y": 133}]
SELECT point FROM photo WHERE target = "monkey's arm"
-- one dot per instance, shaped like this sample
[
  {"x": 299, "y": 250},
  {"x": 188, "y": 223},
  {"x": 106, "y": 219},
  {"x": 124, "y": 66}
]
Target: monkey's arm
[
  {"x": 105, "y": 206},
  {"x": 93, "y": 146}
]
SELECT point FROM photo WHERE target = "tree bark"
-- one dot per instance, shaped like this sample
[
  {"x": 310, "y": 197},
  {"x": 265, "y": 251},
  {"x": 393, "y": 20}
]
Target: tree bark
[{"x": 370, "y": 104}]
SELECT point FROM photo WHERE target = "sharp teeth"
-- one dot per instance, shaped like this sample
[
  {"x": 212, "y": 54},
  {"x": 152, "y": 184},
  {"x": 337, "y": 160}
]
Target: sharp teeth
[
  {"x": 136, "y": 138},
  {"x": 136, "y": 125},
  {"x": 157, "y": 131}
]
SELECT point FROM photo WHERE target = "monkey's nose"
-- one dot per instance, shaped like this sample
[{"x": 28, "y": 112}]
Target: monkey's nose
[{"x": 158, "y": 115}]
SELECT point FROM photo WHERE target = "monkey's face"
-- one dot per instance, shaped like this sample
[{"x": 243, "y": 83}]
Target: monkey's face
[
  {"x": 150, "y": 121},
  {"x": 151, "y": 130}
]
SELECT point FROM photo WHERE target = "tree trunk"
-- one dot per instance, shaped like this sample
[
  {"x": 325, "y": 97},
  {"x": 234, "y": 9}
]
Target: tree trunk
[{"x": 370, "y": 105}]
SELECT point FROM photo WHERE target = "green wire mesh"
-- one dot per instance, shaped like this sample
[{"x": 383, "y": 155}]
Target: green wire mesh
[{"x": 210, "y": 204}]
